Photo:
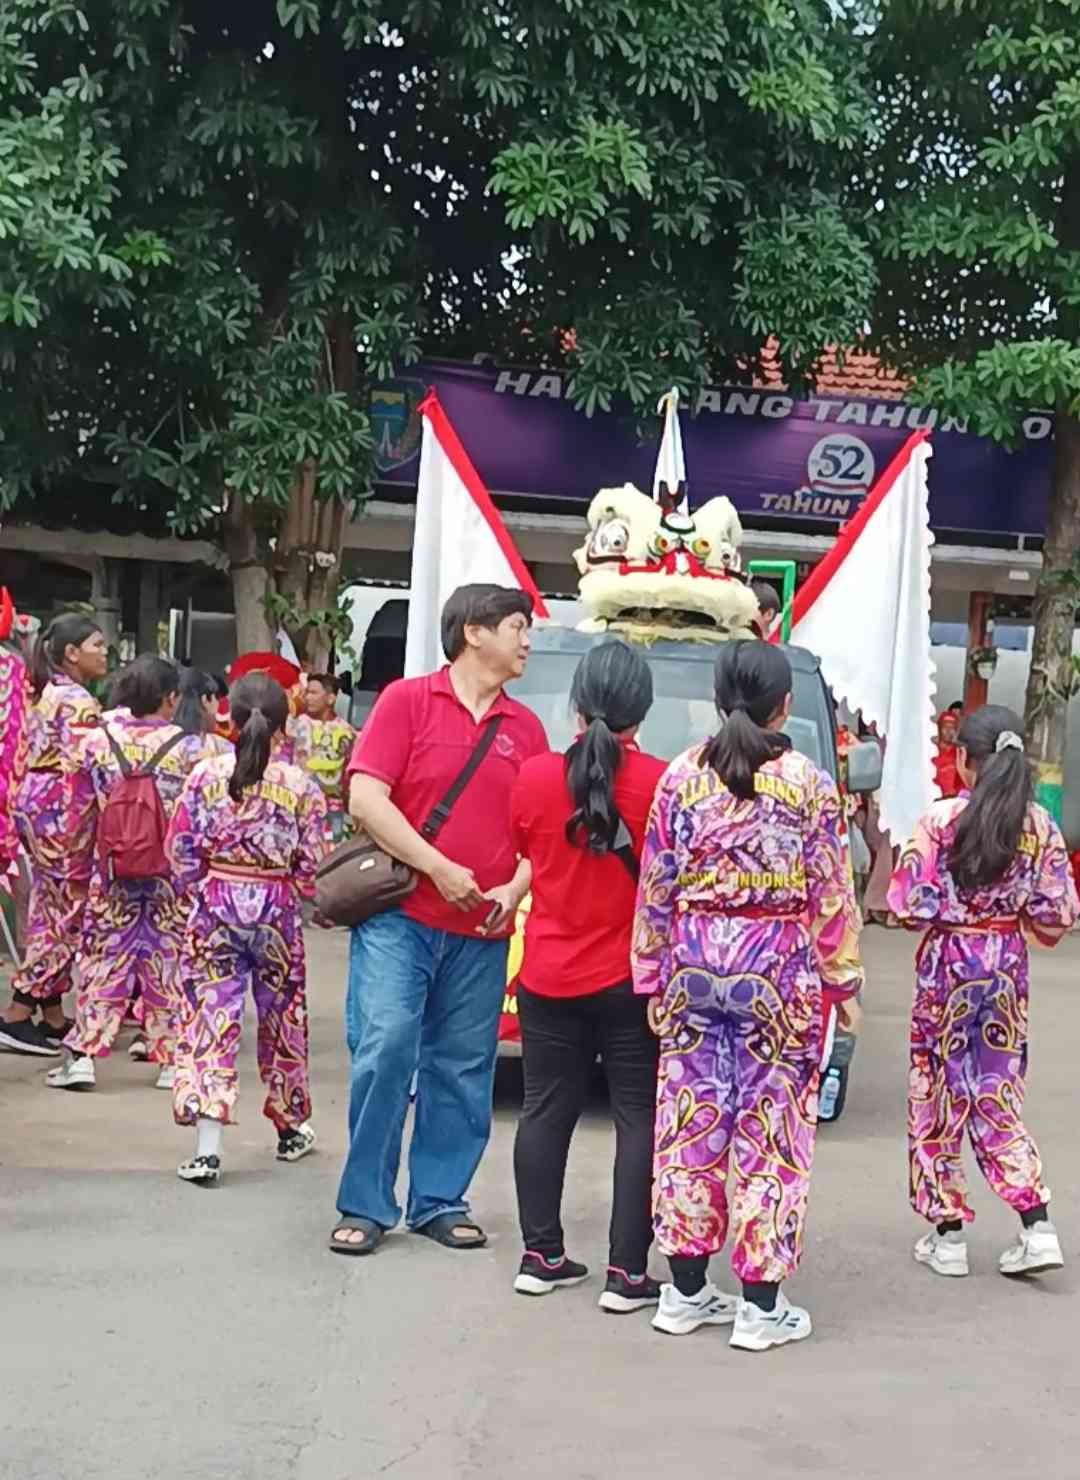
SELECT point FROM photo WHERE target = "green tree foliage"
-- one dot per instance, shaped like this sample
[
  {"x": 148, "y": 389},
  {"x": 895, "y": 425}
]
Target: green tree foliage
[
  {"x": 231, "y": 218},
  {"x": 974, "y": 191}
]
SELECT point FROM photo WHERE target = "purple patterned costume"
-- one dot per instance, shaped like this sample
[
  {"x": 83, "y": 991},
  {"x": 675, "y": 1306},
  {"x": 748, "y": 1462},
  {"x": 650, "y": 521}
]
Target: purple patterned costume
[
  {"x": 57, "y": 848},
  {"x": 969, "y": 1017},
  {"x": 744, "y": 909},
  {"x": 13, "y": 707},
  {"x": 132, "y": 927},
  {"x": 246, "y": 866}
]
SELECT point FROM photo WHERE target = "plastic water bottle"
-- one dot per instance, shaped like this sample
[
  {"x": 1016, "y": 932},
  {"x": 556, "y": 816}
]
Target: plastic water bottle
[{"x": 828, "y": 1094}]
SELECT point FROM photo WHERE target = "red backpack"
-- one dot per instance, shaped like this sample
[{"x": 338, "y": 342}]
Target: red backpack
[{"x": 132, "y": 826}]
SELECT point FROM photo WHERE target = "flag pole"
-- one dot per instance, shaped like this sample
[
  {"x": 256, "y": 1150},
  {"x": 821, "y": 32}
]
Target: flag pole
[{"x": 669, "y": 480}]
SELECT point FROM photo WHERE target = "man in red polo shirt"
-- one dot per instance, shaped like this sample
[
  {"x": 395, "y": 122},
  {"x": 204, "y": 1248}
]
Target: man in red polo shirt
[{"x": 426, "y": 980}]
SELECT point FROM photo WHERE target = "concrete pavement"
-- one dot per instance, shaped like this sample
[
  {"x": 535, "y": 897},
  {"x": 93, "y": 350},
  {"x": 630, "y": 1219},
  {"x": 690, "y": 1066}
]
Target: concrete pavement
[{"x": 149, "y": 1329}]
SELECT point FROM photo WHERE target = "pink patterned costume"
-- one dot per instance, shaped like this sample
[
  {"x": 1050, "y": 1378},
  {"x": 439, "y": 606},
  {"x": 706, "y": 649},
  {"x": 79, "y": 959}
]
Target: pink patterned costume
[
  {"x": 132, "y": 927},
  {"x": 58, "y": 849},
  {"x": 744, "y": 909},
  {"x": 13, "y": 708},
  {"x": 969, "y": 1018},
  {"x": 246, "y": 866}
]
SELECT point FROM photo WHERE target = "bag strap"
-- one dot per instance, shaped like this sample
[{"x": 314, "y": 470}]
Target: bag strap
[
  {"x": 162, "y": 751},
  {"x": 121, "y": 759},
  {"x": 127, "y": 769},
  {"x": 623, "y": 849},
  {"x": 436, "y": 819}
]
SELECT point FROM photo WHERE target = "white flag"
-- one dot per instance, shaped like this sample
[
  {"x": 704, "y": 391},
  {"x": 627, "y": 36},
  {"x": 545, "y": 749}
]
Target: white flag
[
  {"x": 865, "y": 612},
  {"x": 459, "y": 539},
  {"x": 670, "y": 475}
]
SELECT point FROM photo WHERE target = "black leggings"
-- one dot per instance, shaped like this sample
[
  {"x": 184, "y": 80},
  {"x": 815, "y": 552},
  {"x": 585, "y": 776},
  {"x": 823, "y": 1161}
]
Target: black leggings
[{"x": 560, "y": 1038}]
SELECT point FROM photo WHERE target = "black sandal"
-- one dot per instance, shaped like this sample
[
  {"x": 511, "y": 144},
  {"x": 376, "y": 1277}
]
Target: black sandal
[
  {"x": 373, "y": 1232},
  {"x": 445, "y": 1230}
]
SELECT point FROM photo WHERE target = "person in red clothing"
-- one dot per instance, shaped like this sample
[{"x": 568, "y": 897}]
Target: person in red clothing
[
  {"x": 426, "y": 979},
  {"x": 946, "y": 773},
  {"x": 579, "y": 820}
]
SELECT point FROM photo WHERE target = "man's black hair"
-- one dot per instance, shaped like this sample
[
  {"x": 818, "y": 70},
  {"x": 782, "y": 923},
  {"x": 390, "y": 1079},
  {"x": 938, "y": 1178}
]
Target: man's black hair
[{"x": 479, "y": 606}]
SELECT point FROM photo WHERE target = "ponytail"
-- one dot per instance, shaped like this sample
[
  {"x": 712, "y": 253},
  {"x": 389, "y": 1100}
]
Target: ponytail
[
  {"x": 612, "y": 692},
  {"x": 252, "y": 754},
  {"x": 988, "y": 831},
  {"x": 70, "y": 629},
  {"x": 752, "y": 681},
  {"x": 738, "y": 751},
  {"x": 195, "y": 686},
  {"x": 38, "y": 666},
  {"x": 259, "y": 710},
  {"x": 590, "y": 765}
]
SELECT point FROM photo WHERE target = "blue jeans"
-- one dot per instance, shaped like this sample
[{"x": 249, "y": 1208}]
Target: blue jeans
[{"x": 427, "y": 1002}]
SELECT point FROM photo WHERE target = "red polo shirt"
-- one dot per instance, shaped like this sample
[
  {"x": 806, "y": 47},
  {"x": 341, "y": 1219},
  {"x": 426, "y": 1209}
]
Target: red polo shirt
[
  {"x": 416, "y": 740},
  {"x": 577, "y": 935}
]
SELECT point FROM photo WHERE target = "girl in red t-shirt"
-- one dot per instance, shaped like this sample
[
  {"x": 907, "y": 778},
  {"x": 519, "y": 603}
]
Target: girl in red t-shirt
[
  {"x": 946, "y": 773},
  {"x": 580, "y": 821}
]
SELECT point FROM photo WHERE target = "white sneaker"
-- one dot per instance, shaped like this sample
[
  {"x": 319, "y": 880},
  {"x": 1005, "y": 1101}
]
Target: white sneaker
[
  {"x": 137, "y": 1050},
  {"x": 73, "y": 1073},
  {"x": 678, "y": 1315},
  {"x": 1035, "y": 1251},
  {"x": 944, "y": 1253},
  {"x": 166, "y": 1078},
  {"x": 756, "y": 1330},
  {"x": 200, "y": 1171}
]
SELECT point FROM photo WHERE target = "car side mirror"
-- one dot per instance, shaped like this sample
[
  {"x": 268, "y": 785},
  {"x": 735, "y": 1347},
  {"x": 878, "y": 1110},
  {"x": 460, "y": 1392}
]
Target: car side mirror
[{"x": 864, "y": 767}]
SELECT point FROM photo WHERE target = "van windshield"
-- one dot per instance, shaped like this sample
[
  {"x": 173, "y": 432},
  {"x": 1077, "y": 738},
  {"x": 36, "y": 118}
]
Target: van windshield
[{"x": 683, "y": 710}]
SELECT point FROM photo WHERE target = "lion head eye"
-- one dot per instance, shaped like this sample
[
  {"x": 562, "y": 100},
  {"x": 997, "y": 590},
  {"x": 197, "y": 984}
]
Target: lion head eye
[
  {"x": 701, "y": 547},
  {"x": 612, "y": 538},
  {"x": 662, "y": 543}
]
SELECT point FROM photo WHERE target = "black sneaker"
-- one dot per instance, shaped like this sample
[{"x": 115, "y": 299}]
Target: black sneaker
[
  {"x": 625, "y": 1293},
  {"x": 28, "y": 1038},
  {"x": 539, "y": 1276},
  {"x": 56, "y": 1035},
  {"x": 201, "y": 1171},
  {"x": 295, "y": 1142}
]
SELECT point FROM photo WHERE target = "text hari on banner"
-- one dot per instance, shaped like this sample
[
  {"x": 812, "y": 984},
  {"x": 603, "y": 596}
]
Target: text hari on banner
[{"x": 459, "y": 539}]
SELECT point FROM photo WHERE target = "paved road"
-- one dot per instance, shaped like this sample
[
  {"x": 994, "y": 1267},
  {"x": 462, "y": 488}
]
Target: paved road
[{"x": 148, "y": 1329}]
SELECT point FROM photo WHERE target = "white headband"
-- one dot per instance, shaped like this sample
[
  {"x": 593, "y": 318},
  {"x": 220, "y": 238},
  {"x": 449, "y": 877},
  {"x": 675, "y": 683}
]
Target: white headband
[{"x": 1008, "y": 740}]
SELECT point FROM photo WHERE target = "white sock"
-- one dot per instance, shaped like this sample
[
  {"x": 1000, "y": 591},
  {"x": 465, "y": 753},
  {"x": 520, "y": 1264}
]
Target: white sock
[{"x": 208, "y": 1136}]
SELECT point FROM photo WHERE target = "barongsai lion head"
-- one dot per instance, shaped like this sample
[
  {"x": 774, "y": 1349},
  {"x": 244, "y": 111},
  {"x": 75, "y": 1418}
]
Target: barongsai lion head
[{"x": 652, "y": 572}]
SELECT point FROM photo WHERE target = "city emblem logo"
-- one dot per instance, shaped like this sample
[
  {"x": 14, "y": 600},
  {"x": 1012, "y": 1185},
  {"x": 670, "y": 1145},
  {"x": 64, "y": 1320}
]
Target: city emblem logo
[{"x": 396, "y": 422}]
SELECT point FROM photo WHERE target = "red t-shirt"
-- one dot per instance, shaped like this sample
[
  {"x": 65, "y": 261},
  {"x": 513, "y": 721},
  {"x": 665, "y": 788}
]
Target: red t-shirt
[
  {"x": 416, "y": 740},
  {"x": 577, "y": 937},
  {"x": 945, "y": 772}
]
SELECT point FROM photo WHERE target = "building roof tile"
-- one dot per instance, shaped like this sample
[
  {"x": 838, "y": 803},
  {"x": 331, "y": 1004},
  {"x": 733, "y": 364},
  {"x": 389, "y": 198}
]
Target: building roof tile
[{"x": 861, "y": 376}]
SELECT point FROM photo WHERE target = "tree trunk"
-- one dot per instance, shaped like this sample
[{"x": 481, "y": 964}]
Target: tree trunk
[
  {"x": 308, "y": 567},
  {"x": 250, "y": 578},
  {"x": 1050, "y": 679},
  {"x": 311, "y": 533}
]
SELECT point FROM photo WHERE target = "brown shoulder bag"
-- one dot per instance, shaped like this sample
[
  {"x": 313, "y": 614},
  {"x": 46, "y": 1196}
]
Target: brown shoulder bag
[{"x": 359, "y": 879}]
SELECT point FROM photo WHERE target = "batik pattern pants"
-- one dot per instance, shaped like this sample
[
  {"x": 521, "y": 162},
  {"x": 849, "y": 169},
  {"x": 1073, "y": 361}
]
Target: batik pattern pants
[
  {"x": 132, "y": 932},
  {"x": 968, "y": 1064},
  {"x": 261, "y": 944},
  {"x": 736, "y": 1115},
  {"x": 57, "y": 901},
  {"x": 51, "y": 942}
]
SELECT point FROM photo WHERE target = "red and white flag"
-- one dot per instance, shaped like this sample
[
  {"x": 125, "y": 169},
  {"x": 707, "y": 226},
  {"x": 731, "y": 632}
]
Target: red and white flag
[
  {"x": 459, "y": 539},
  {"x": 865, "y": 612}
]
